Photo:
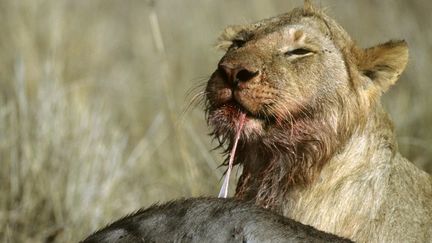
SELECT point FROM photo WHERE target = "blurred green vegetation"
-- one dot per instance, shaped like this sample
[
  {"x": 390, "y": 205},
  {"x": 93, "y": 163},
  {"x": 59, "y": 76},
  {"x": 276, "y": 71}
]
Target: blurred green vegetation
[{"x": 93, "y": 118}]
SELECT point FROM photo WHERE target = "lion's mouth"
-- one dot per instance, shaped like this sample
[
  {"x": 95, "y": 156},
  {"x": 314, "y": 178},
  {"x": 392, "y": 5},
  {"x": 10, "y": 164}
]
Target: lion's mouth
[
  {"x": 227, "y": 102},
  {"x": 225, "y": 118},
  {"x": 236, "y": 108}
]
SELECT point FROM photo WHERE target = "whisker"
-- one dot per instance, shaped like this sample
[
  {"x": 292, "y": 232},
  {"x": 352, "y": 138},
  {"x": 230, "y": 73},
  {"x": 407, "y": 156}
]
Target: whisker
[
  {"x": 197, "y": 99},
  {"x": 200, "y": 85}
]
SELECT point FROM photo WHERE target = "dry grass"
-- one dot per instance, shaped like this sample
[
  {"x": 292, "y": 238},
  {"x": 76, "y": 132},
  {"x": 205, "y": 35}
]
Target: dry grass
[{"x": 92, "y": 94}]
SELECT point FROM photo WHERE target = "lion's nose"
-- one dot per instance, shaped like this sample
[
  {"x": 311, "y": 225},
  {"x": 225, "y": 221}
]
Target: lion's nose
[{"x": 237, "y": 74}]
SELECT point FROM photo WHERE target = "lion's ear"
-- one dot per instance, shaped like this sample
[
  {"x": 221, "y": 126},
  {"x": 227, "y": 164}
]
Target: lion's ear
[
  {"x": 384, "y": 63},
  {"x": 228, "y": 35}
]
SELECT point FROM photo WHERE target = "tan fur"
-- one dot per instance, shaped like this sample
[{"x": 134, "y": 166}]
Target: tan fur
[{"x": 317, "y": 145}]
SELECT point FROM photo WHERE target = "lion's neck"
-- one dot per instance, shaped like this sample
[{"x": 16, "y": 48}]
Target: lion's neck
[
  {"x": 291, "y": 177},
  {"x": 373, "y": 145},
  {"x": 351, "y": 186},
  {"x": 284, "y": 158}
]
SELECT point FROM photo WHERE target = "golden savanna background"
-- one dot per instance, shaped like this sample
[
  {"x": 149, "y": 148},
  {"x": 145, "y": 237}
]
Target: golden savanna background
[{"x": 94, "y": 94}]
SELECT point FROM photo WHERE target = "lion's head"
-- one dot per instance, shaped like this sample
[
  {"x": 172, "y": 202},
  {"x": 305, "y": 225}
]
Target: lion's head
[{"x": 304, "y": 86}]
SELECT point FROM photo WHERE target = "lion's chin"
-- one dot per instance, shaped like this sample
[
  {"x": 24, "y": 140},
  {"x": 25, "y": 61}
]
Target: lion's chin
[
  {"x": 225, "y": 120},
  {"x": 253, "y": 127}
]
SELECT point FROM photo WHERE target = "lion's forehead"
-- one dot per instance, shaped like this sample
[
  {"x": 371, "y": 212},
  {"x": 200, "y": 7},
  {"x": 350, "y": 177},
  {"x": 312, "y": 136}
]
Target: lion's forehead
[
  {"x": 286, "y": 35},
  {"x": 313, "y": 22}
]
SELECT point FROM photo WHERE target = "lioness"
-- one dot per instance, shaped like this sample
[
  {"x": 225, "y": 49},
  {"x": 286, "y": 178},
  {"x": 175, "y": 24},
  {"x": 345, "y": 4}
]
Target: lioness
[{"x": 316, "y": 144}]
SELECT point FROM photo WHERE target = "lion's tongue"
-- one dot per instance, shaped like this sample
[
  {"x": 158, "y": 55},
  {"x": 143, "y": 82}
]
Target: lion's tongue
[{"x": 224, "y": 189}]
